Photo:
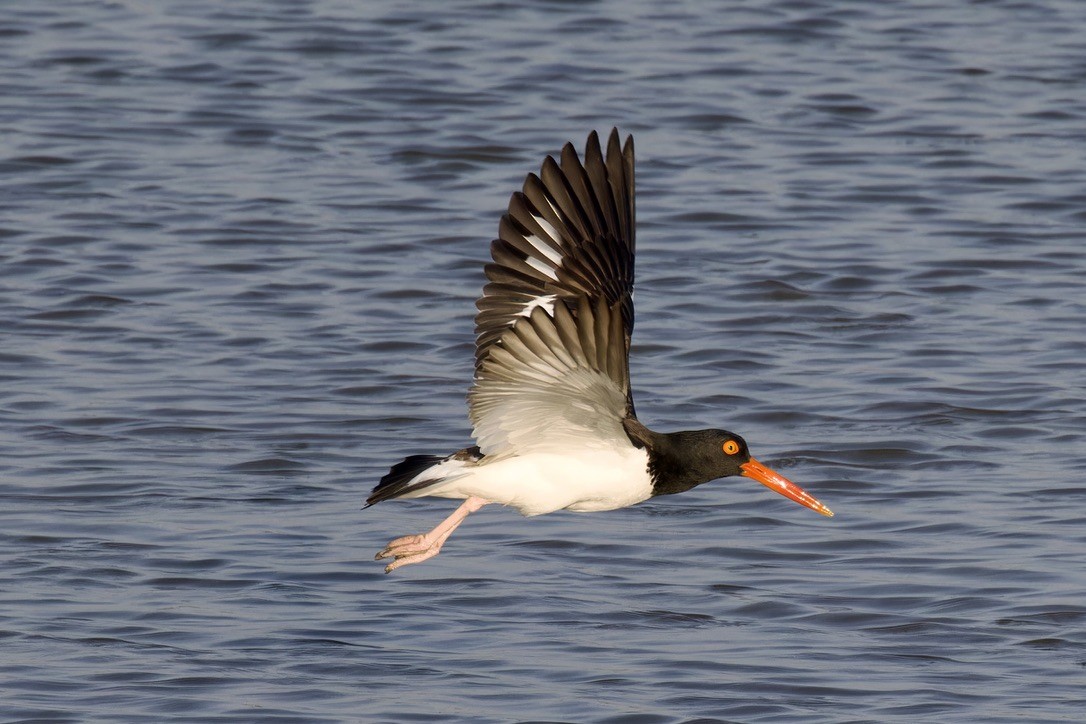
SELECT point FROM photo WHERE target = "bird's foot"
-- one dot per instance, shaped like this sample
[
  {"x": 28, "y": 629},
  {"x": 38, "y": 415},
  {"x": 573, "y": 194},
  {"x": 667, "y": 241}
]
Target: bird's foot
[
  {"x": 424, "y": 546},
  {"x": 410, "y": 549}
]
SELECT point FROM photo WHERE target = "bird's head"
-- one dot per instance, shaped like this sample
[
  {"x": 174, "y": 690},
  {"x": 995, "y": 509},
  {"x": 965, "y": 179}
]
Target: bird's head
[
  {"x": 727, "y": 454},
  {"x": 682, "y": 460}
]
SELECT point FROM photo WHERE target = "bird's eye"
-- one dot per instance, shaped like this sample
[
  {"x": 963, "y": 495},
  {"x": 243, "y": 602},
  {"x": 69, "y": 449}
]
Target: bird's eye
[{"x": 731, "y": 447}]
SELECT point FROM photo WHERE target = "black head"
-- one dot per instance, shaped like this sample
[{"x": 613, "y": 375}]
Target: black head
[{"x": 679, "y": 461}]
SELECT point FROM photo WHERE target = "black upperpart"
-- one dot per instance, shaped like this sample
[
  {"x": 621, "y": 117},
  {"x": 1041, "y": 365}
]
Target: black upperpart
[{"x": 679, "y": 461}]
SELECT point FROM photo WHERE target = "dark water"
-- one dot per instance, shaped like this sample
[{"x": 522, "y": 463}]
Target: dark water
[{"x": 239, "y": 245}]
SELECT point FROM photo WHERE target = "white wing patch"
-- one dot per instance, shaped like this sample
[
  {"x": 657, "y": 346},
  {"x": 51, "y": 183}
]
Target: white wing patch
[
  {"x": 542, "y": 267},
  {"x": 543, "y": 247},
  {"x": 546, "y": 302},
  {"x": 551, "y": 255},
  {"x": 546, "y": 226}
]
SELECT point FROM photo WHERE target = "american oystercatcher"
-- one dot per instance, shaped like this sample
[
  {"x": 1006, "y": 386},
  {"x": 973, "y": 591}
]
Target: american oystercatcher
[{"x": 551, "y": 405}]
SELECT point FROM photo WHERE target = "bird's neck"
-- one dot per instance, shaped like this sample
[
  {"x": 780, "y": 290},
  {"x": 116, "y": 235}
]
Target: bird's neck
[{"x": 670, "y": 463}]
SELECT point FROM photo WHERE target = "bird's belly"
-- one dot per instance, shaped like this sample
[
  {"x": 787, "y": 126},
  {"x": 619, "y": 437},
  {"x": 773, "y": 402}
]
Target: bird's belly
[{"x": 540, "y": 483}]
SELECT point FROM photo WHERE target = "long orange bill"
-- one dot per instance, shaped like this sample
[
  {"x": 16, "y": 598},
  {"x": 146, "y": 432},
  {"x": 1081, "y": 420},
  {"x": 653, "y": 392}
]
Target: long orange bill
[{"x": 775, "y": 481}]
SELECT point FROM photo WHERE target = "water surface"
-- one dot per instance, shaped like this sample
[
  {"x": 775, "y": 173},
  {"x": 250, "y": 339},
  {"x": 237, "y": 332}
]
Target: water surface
[{"x": 239, "y": 246}]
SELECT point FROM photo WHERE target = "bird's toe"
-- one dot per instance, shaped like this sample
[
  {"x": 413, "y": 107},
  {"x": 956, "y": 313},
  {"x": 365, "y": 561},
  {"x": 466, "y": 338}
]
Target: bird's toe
[
  {"x": 406, "y": 559},
  {"x": 408, "y": 545}
]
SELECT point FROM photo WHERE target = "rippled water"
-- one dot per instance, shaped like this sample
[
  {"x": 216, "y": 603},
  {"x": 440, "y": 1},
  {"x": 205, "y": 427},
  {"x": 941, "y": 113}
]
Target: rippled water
[{"x": 239, "y": 245}]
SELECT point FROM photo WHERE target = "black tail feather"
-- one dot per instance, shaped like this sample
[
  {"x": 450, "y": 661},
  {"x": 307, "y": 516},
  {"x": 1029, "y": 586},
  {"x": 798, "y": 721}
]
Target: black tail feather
[{"x": 395, "y": 483}]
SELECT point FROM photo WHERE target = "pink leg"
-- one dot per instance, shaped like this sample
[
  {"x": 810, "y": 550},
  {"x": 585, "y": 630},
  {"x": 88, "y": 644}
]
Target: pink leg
[{"x": 418, "y": 548}]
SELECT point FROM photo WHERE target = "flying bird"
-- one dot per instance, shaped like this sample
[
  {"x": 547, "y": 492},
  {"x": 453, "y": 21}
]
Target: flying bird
[{"x": 551, "y": 405}]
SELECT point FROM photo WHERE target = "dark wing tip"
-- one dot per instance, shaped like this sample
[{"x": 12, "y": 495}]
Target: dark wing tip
[{"x": 568, "y": 233}]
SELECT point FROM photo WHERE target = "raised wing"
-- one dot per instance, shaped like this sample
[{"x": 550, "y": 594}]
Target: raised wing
[{"x": 554, "y": 322}]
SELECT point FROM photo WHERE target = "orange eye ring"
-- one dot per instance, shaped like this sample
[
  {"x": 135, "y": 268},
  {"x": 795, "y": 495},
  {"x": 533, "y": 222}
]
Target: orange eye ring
[{"x": 731, "y": 447}]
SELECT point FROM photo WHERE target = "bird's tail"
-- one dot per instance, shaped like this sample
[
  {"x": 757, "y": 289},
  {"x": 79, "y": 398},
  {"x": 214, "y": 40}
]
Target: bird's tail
[{"x": 415, "y": 473}]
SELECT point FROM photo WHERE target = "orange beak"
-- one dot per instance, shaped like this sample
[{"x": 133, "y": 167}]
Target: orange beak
[{"x": 775, "y": 481}]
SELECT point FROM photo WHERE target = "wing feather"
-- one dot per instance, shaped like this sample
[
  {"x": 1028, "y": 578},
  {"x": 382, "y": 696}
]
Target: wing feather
[
  {"x": 556, "y": 316},
  {"x": 581, "y": 190},
  {"x": 620, "y": 177},
  {"x": 536, "y": 391}
]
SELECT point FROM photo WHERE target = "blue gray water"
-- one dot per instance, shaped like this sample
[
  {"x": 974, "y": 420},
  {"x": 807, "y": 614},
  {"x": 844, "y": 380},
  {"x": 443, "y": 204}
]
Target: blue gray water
[{"x": 239, "y": 246}]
